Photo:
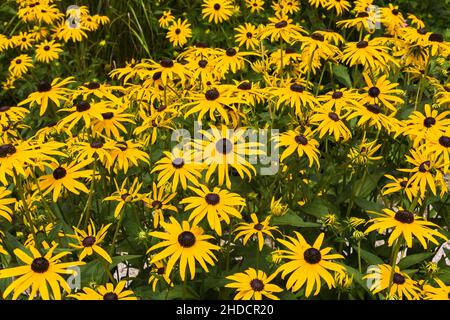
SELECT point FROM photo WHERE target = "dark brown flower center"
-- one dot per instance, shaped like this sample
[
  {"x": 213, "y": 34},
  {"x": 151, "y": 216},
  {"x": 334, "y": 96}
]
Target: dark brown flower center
[
  {"x": 300, "y": 139},
  {"x": 202, "y": 63},
  {"x": 429, "y": 122},
  {"x": 156, "y": 76},
  {"x": 224, "y": 146},
  {"x": 424, "y": 166},
  {"x": 166, "y": 63},
  {"x": 333, "y": 116},
  {"x": 362, "y": 44},
  {"x": 186, "y": 239},
  {"x": 249, "y": 35},
  {"x": 245, "y": 85},
  {"x": 122, "y": 145},
  {"x": 398, "y": 278},
  {"x": 444, "y": 141},
  {"x": 110, "y": 296},
  {"x": 157, "y": 204},
  {"x": 178, "y": 163},
  {"x": 374, "y": 92},
  {"x": 258, "y": 226},
  {"x": 312, "y": 256},
  {"x": 257, "y": 285},
  {"x": 93, "y": 85},
  {"x": 47, "y": 48},
  {"x": 212, "y": 199},
  {"x": 212, "y": 94},
  {"x": 160, "y": 271},
  {"x": 18, "y": 61},
  {"x": 362, "y": 14},
  {"x": 177, "y": 31},
  {"x": 59, "y": 173},
  {"x": 374, "y": 108},
  {"x": 216, "y": 6},
  {"x": 317, "y": 36},
  {"x": 96, "y": 144},
  {"x": 281, "y": 24},
  {"x": 83, "y": 106},
  {"x": 421, "y": 31},
  {"x": 436, "y": 37},
  {"x": 297, "y": 87},
  {"x": 404, "y": 216},
  {"x": 290, "y": 50},
  {"x": 394, "y": 12},
  {"x": 337, "y": 95},
  {"x": 44, "y": 86},
  {"x": 403, "y": 183},
  {"x": 40, "y": 265},
  {"x": 89, "y": 241},
  {"x": 231, "y": 52},
  {"x": 7, "y": 150},
  {"x": 107, "y": 115}
]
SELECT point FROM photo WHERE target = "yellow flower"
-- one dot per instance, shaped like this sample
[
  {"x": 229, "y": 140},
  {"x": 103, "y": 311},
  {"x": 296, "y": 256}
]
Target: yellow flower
[
  {"x": 255, "y": 228},
  {"x": 179, "y": 33},
  {"x": 253, "y": 284},
  {"x": 107, "y": 292}
]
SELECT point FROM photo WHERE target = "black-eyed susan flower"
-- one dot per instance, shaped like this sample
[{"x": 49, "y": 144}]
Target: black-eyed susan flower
[
  {"x": 105, "y": 292},
  {"x": 400, "y": 185},
  {"x": 47, "y": 92},
  {"x": 231, "y": 59},
  {"x": 38, "y": 273},
  {"x": 20, "y": 65},
  {"x": 83, "y": 110},
  {"x": 364, "y": 153},
  {"x": 96, "y": 149},
  {"x": 127, "y": 154},
  {"x": 246, "y": 230},
  {"x": 5, "y": 200},
  {"x": 374, "y": 115},
  {"x": 113, "y": 124},
  {"x": 255, "y": 5},
  {"x": 158, "y": 201},
  {"x": 222, "y": 148},
  {"x": 253, "y": 284},
  {"x": 124, "y": 195},
  {"x": 301, "y": 141},
  {"x": 179, "y": 33},
  {"x": 331, "y": 122},
  {"x": 217, "y": 11},
  {"x": 65, "y": 177},
  {"x": 158, "y": 272},
  {"x": 420, "y": 125},
  {"x": 166, "y": 19},
  {"x": 48, "y": 51},
  {"x": 212, "y": 101},
  {"x": 402, "y": 285},
  {"x": 277, "y": 208},
  {"x": 88, "y": 242},
  {"x": 382, "y": 92},
  {"x": 294, "y": 94},
  {"x": 281, "y": 27},
  {"x": 184, "y": 243},
  {"x": 308, "y": 264},
  {"x": 371, "y": 55},
  {"x": 216, "y": 205},
  {"x": 178, "y": 167},
  {"x": 169, "y": 70},
  {"x": 340, "y": 6},
  {"x": 442, "y": 292},
  {"x": 341, "y": 99},
  {"x": 405, "y": 224},
  {"x": 427, "y": 171},
  {"x": 247, "y": 34}
]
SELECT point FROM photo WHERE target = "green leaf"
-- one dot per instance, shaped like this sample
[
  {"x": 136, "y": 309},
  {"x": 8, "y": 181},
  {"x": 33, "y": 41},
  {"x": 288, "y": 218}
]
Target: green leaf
[
  {"x": 342, "y": 75},
  {"x": 368, "y": 205},
  {"x": 316, "y": 208},
  {"x": 292, "y": 219},
  {"x": 369, "y": 257},
  {"x": 12, "y": 243},
  {"x": 367, "y": 184},
  {"x": 414, "y": 259},
  {"x": 357, "y": 277}
]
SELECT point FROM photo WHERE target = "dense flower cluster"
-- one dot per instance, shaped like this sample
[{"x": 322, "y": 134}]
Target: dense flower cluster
[{"x": 94, "y": 185}]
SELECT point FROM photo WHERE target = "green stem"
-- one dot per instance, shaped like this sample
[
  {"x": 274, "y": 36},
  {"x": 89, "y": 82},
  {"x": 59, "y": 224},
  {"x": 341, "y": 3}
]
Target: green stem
[
  {"x": 116, "y": 233},
  {"x": 25, "y": 206},
  {"x": 88, "y": 207},
  {"x": 395, "y": 250},
  {"x": 359, "y": 257}
]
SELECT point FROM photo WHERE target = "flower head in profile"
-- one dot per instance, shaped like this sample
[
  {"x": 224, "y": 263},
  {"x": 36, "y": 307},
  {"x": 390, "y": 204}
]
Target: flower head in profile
[{"x": 105, "y": 292}]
